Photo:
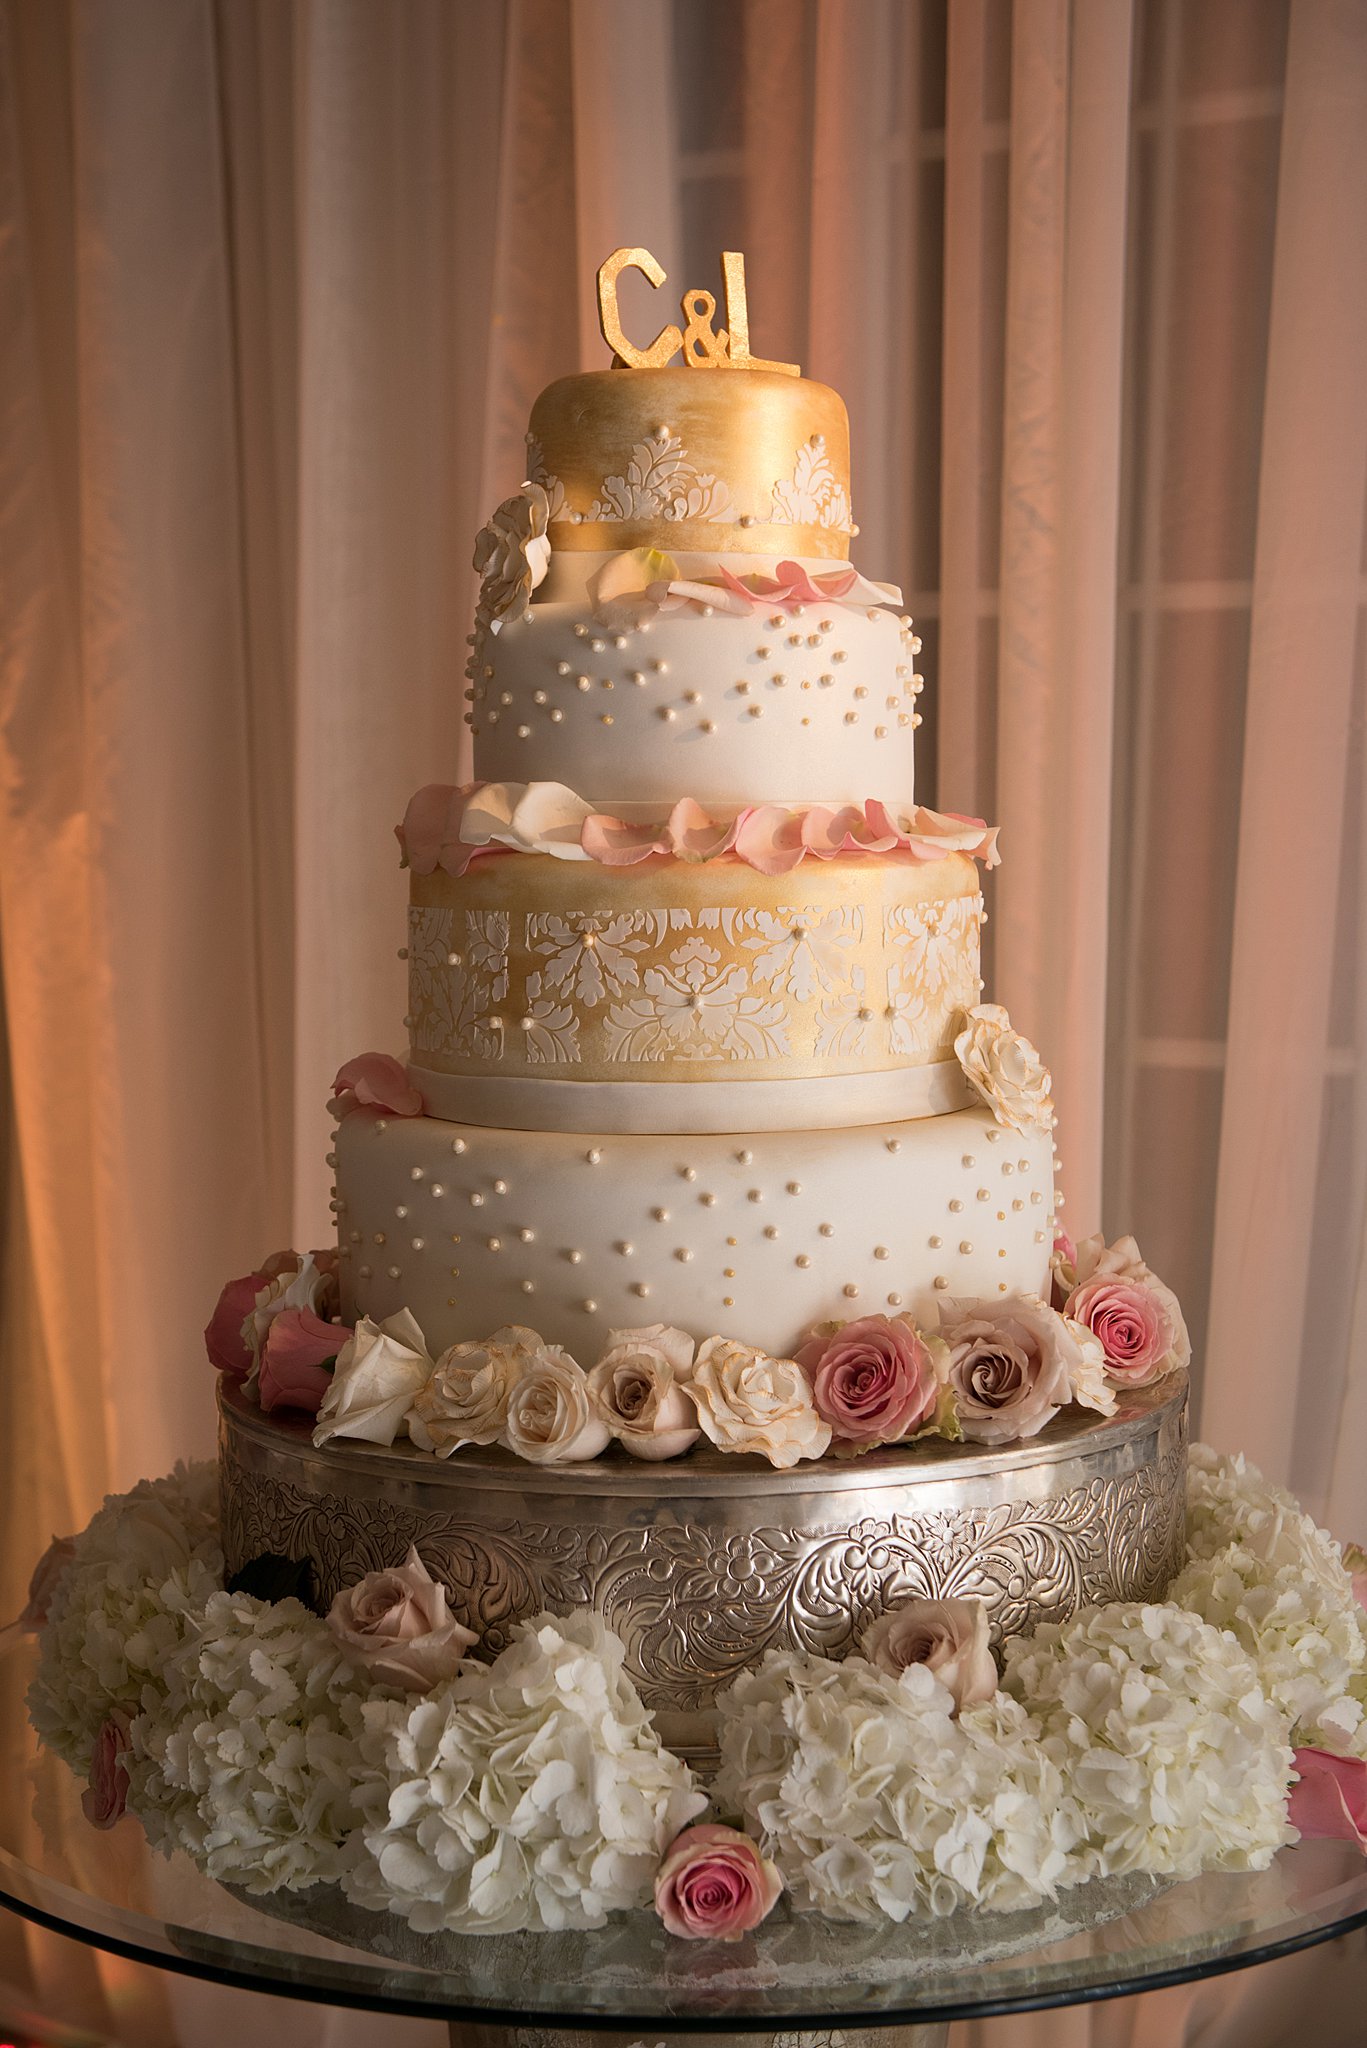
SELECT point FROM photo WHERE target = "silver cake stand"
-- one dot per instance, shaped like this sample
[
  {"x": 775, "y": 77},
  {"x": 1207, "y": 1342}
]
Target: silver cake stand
[{"x": 799, "y": 1980}]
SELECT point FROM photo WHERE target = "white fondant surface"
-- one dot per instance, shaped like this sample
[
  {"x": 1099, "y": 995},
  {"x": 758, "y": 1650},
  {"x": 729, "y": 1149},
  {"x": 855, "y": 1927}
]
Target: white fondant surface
[
  {"x": 752, "y": 1235},
  {"x": 731, "y": 711}
]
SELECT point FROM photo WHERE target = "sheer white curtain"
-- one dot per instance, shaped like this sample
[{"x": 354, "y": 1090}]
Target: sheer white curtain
[{"x": 278, "y": 284}]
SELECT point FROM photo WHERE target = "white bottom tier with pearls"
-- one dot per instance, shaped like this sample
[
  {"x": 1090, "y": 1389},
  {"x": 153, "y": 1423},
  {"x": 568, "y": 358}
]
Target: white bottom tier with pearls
[{"x": 752, "y": 1236}]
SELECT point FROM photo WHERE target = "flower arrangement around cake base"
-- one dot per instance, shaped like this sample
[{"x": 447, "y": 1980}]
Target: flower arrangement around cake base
[{"x": 371, "y": 1749}]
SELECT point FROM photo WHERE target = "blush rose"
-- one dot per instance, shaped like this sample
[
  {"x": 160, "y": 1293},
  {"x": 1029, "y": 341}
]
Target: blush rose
[
  {"x": 872, "y": 1380},
  {"x": 714, "y": 1885},
  {"x": 396, "y": 1624},
  {"x": 637, "y": 1389},
  {"x": 1009, "y": 1367},
  {"x": 950, "y": 1637},
  {"x": 375, "y": 1080},
  {"x": 105, "y": 1798}
]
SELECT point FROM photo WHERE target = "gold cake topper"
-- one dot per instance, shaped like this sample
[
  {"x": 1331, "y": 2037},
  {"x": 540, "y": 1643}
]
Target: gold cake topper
[{"x": 703, "y": 346}]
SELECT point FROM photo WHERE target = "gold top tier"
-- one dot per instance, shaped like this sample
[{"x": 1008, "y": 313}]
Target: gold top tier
[{"x": 729, "y": 454}]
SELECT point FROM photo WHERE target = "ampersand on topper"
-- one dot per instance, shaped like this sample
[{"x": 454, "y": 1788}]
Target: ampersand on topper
[{"x": 703, "y": 346}]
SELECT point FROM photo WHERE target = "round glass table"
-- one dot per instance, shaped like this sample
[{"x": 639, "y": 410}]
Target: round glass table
[{"x": 798, "y": 1976}]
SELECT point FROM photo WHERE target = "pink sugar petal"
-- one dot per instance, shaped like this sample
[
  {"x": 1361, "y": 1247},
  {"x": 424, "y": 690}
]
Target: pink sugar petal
[
  {"x": 825, "y": 831},
  {"x": 756, "y": 591},
  {"x": 694, "y": 835},
  {"x": 618, "y": 843},
  {"x": 770, "y": 838}
]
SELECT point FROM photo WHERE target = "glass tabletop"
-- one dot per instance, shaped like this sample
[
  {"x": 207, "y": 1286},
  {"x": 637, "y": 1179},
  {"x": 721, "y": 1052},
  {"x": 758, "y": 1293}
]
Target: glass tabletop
[{"x": 797, "y": 1971}]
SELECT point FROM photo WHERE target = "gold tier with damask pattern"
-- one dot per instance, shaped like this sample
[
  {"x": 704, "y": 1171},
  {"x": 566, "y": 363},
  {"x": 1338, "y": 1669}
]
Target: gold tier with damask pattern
[
  {"x": 560, "y": 995},
  {"x": 755, "y": 464}
]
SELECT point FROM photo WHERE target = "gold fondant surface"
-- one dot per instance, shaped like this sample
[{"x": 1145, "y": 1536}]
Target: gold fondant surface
[
  {"x": 532, "y": 966},
  {"x": 757, "y": 463}
]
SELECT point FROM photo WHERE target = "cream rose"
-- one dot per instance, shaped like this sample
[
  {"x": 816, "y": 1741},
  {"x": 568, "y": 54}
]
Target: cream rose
[
  {"x": 512, "y": 555},
  {"x": 949, "y": 1637},
  {"x": 637, "y": 1390},
  {"x": 1009, "y": 1366},
  {"x": 1005, "y": 1069},
  {"x": 550, "y": 1419},
  {"x": 746, "y": 1401},
  {"x": 396, "y": 1624},
  {"x": 466, "y": 1399},
  {"x": 379, "y": 1371}
]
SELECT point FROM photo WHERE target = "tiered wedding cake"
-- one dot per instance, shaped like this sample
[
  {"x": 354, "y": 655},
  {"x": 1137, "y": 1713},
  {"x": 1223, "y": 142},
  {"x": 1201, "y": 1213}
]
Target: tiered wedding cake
[{"x": 701, "y": 1096}]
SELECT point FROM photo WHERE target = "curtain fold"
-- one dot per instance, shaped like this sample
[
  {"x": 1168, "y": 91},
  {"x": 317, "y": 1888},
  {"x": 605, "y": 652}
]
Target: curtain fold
[
  {"x": 1306, "y": 629},
  {"x": 278, "y": 286}
]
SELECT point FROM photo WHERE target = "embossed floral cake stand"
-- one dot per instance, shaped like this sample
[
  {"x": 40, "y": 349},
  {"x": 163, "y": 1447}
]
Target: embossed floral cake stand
[{"x": 799, "y": 1979}]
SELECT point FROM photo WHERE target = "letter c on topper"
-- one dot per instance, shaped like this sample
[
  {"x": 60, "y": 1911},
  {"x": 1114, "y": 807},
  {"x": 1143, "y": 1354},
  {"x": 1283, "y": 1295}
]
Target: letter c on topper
[{"x": 667, "y": 342}]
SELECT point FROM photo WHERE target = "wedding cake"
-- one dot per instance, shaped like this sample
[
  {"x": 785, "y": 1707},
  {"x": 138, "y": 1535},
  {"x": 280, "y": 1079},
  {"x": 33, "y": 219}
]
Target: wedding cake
[
  {"x": 706, "y": 1149},
  {"x": 700, "y": 1375}
]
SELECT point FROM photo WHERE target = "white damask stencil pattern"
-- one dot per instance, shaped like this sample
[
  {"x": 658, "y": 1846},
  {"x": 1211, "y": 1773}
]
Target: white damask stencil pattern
[
  {"x": 933, "y": 970},
  {"x": 844, "y": 1021},
  {"x": 551, "y": 1029},
  {"x": 457, "y": 977},
  {"x": 800, "y": 950},
  {"x": 537, "y": 473},
  {"x": 661, "y": 483},
  {"x": 813, "y": 495},
  {"x": 694, "y": 1006},
  {"x": 590, "y": 958}
]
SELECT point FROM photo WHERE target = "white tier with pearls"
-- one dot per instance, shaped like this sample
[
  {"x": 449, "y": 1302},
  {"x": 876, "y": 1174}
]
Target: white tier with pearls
[
  {"x": 751, "y": 1236},
  {"x": 814, "y": 704}
]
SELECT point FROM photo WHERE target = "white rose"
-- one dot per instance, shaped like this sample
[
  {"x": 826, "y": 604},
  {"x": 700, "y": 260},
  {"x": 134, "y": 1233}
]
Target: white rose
[
  {"x": 512, "y": 555},
  {"x": 379, "y": 1371},
  {"x": 948, "y": 1637},
  {"x": 746, "y": 1401},
  {"x": 637, "y": 1389},
  {"x": 466, "y": 1399},
  {"x": 395, "y": 1623},
  {"x": 1087, "y": 1370},
  {"x": 1005, "y": 1069},
  {"x": 1009, "y": 1366},
  {"x": 550, "y": 1418}
]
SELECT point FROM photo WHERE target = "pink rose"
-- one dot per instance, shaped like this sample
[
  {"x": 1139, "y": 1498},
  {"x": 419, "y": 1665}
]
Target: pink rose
[
  {"x": 223, "y": 1332},
  {"x": 296, "y": 1360},
  {"x": 714, "y": 1885},
  {"x": 1134, "y": 1333},
  {"x": 1329, "y": 1797},
  {"x": 396, "y": 1624},
  {"x": 375, "y": 1080},
  {"x": 1137, "y": 1318},
  {"x": 950, "y": 1637},
  {"x": 106, "y": 1796},
  {"x": 872, "y": 1380},
  {"x": 1010, "y": 1367},
  {"x": 43, "y": 1585}
]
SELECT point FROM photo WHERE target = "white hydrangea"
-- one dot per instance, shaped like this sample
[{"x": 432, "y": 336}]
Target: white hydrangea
[
  {"x": 875, "y": 1800},
  {"x": 243, "y": 1752},
  {"x": 137, "y": 1580},
  {"x": 110, "y": 1636},
  {"x": 533, "y": 1793},
  {"x": 1259, "y": 1566},
  {"x": 1229, "y": 1501},
  {"x": 1175, "y": 1756}
]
